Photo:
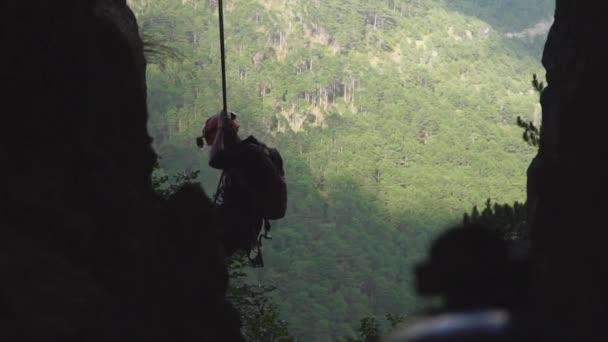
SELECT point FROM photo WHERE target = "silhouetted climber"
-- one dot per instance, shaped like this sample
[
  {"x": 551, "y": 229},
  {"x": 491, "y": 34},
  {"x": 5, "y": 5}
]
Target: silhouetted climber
[
  {"x": 252, "y": 187},
  {"x": 483, "y": 289}
]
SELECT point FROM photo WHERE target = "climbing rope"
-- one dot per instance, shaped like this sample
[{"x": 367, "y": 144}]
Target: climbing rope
[
  {"x": 223, "y": 61},
  {"x": 200, "y": 141}
]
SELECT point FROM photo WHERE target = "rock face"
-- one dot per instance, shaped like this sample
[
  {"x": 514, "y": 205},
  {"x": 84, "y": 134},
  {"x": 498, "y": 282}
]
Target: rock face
[
  {"x": 568, "y": 231},
  {"x": 88, "y": 251}
]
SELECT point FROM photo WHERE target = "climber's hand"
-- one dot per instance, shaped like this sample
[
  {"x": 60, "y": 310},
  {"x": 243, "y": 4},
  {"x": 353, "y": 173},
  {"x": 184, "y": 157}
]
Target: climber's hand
[{"x": 224, "y": 121}]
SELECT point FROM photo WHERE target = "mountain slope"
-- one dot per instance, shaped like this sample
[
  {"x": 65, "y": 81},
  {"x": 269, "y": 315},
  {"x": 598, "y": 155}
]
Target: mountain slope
[{"x": 394, "y": 117}]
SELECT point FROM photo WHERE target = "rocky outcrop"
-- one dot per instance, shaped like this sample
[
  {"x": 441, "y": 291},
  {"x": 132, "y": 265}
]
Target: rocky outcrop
[{"x": 88, "y": 251}]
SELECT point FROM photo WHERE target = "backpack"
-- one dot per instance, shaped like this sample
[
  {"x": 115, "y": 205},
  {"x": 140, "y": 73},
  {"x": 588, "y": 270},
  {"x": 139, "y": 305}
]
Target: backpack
[{"x": 274, "y": 189}]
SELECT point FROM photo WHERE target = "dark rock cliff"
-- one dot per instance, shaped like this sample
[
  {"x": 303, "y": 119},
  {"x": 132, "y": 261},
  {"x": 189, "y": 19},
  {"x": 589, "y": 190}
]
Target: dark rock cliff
[
  {"x": 569, "y": 226},
  {"x": 88, "y": 251}
]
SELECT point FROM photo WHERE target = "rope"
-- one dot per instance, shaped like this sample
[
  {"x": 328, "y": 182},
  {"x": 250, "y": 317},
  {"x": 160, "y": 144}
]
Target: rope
[
  {"x": 200, "y": 142},
  {"x": 223, "y": 60},
  {"x": 217, "y": 197}
]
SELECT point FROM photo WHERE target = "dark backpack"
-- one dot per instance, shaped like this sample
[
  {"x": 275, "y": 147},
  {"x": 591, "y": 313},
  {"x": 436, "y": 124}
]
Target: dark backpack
[{"x": 273, "y": 189}]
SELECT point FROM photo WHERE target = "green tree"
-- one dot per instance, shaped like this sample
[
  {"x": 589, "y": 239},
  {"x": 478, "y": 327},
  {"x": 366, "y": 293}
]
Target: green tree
[{"x": 260, "y": 316}]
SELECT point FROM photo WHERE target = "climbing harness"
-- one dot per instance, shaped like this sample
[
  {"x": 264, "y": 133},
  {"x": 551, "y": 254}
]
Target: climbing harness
[{"x": 255, "y": 254}]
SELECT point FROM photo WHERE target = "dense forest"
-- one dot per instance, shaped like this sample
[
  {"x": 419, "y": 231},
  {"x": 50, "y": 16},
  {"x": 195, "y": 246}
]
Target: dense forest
[{"x": 394, "y": 117}]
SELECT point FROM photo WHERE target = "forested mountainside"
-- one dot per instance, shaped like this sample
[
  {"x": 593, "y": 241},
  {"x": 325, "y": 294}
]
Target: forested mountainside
[{"x": 394, "y": 117}]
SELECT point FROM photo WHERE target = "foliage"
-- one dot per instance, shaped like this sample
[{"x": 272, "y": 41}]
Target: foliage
[
  {"x": 165, "y": 185},
  {"x": 370, "y": 328},
  {"x": 260, "y": 316},
  {"x": 531, "y": 133},
  {"x": 508, "y": 220},
  {"x": 393, "y": 118},
  {"x": 537, "y": 85},
  {"x": 394, "y": 320}
]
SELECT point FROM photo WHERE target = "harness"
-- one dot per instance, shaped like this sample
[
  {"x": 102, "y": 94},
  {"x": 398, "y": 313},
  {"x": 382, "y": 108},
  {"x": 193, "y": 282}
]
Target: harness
[{"x": 257, "y": 259}]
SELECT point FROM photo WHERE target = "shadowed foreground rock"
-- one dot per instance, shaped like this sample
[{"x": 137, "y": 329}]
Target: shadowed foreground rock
[
  {"x": 88, "y": 252},
  {"x": 569, "y": 235}
]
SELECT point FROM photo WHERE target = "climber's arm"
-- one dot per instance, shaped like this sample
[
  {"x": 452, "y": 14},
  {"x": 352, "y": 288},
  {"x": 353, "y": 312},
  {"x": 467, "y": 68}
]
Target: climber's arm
[
  {"x": 217, "y": 147},
  {"x": 216, "y": 154}
]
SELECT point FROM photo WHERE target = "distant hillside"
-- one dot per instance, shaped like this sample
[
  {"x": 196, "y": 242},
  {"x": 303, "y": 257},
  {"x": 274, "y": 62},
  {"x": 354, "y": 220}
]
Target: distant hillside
[
  {"x": 394, "y": 117},
  {"x": 504, "y": 15}
]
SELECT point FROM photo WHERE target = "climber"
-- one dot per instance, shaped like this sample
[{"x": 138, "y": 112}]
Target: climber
[{"x": 252, "y": 187}]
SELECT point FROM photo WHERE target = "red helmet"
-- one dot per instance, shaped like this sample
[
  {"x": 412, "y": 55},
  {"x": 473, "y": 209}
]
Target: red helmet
[{"x": 210, "y": 128}]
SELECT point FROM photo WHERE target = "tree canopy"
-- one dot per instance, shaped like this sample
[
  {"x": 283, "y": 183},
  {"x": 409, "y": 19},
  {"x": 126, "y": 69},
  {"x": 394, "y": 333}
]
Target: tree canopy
[{"x": 394, "y": 117}]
